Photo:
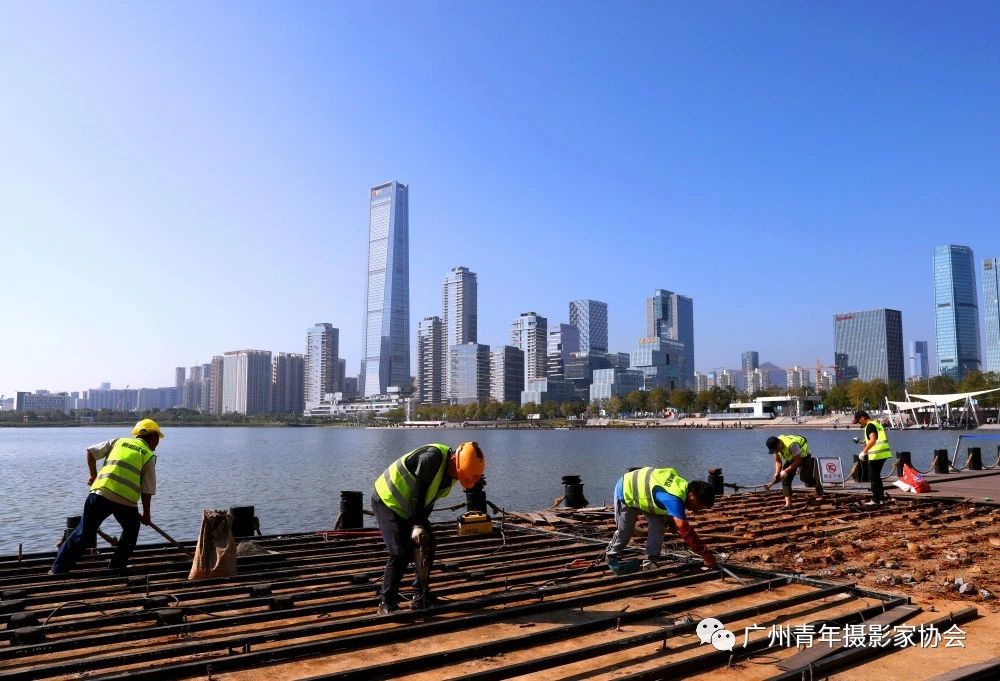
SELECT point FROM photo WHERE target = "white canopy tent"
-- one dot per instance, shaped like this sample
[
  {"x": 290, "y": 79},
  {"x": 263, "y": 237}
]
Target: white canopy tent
[{"x": 938, "y": 401}]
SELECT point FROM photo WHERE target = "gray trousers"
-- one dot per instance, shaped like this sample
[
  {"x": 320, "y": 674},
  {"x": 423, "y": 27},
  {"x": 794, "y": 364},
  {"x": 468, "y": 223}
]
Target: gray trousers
[{"x": 625, "y": 518}]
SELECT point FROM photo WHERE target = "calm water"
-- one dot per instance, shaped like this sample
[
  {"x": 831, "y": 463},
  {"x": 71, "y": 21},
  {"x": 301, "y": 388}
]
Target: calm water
[{"x": 293, "y": 476}]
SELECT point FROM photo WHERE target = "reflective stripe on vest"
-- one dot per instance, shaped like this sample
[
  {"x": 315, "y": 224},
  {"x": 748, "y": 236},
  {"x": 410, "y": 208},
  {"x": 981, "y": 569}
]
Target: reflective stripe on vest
[
  {"x": 122, "y": 470},
  {"x": 639, "y": 488},
  {"x": 790, "y": 440},
  {"x": 395, "y": 486},
  {"x": 881, "y": 449}
]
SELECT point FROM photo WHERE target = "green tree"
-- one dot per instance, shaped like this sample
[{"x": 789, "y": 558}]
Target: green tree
[
  {"x": 683, "y": 399},
  {"x": 613, "y": 406},
  {"x": 658, "y": 400}
]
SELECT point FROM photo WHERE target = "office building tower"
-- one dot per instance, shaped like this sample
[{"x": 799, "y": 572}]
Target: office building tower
[
  {"x": 341, "y": 374},
  {"x": 288, "y": 383},
  {"x": 797, "y": 378},
  {"x": 180, "y": 376},
  {"x": 430, "y": 361},
  {"x": 459, "y": 302},
  {"x": 991, "y": 316},
  {"x": 956, "y": 311},
  {"x": 530, "y": 334},
  {"x": 470, "y": 373},
  {"x": 580, "y": 368},
  {"x": 660, "y": 362},
  {"x": 750, "y": 360},
  {"x": 218, "y": 373},
  {"x": 869, "y": 345},
  {"x": 777, "y": 377},
  {"x": 825, "y": 381},
  {"x": 562, "y": 341},
  {"x": 615, "y": 382},
  {"x": 670, "y": 316},
  {"x": 757, "y": 381},
  {"x": 247, "y": 382},
  {"x": 322, "y": 363},
  {"x": 385, "y": 344},
  {"x": 350, "y": 389},
  {"x": 726, "y": 378},
  {"x": 590, "y": 317},
  {"x": 700, "y": 382},
  {"x": 542, "y": 390},
  {"x": 919, "y": 360},
  {"x": 506, "y": 374}
]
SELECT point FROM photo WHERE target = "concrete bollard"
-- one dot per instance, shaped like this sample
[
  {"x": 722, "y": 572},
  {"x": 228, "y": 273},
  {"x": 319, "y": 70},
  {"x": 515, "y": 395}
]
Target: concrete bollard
[
  {"x": 716, "y": 480},
  {"x": 244, "y": 521},
  {"x": 975, "y": 459},
  {"x": 903, "y": 459},
  {"x": 942, "y": 464},
  {"x": 351, "y": 510},
  {"x": 573, "y": 492}
]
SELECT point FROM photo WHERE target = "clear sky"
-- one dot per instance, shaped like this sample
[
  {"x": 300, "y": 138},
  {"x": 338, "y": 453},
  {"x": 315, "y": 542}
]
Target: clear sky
[{"x": 182, "y": 179}]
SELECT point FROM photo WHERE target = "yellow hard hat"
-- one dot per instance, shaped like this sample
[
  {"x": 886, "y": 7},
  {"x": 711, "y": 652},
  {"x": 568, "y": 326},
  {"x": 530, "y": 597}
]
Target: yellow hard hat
[
  {"x": 470, "y": 464},
  {"x": 146, "y": 426}
]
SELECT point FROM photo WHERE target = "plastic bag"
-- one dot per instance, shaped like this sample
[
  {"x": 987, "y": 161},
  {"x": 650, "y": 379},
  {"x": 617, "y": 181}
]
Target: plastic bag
[{"x": 915, "y": 480}]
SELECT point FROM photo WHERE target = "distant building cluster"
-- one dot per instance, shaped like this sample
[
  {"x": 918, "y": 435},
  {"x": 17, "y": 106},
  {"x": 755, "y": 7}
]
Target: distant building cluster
[{"x": 542, "y": 361}]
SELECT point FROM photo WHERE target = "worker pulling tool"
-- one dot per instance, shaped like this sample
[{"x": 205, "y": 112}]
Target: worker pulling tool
[
  {"x": 791, "y": 456},
  {"x": 656, "y": 493},
  {"x": 402, "y": 502}
]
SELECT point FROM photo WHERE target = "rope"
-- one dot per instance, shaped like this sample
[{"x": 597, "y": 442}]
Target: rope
[
  {"x": 63, "y": 605},
  {"x": 968, "y": 460},
  {"x": 933, "y": 464}
]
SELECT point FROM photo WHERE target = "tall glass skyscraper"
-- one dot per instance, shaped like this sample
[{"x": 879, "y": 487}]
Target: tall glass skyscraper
[
  {"x": 869, "y": 345},
  {"x": 590, "y": 317},
  {"x": 459, "y": 303},
  {"x": 670, "y": 317},
  {"x": 956, "y": 311},
  {"x": 385, "y": 347},
  {"x": 991, "y": 299},
  {"x": 919, "y": 360}
]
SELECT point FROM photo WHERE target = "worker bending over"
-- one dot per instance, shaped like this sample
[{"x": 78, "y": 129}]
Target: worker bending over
[
  {"x": 403, "y": 500},
  {"x": 128, "y": 474},
  {"x": 791, "y": 455},
  {"x": 657, "y": 493},
  {"x": 874, "y": 455}
]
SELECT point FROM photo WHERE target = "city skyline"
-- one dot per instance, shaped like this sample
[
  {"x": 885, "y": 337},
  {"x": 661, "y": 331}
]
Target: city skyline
[{"x": 263, "y": 174}]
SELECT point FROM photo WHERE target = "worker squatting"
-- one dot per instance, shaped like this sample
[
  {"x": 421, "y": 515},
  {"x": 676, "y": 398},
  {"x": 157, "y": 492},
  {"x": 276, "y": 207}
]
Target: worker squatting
[{"x": 404, "y": 496}]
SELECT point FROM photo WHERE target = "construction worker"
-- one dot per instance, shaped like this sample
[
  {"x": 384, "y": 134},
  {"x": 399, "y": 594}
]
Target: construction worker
[
  {"x": 403, "y": 500},
  {"x": 657, "y": 493},
  {"x": 791, "y": 455},
  {"x": 128, "y": 474},
  {"x": 874, "y": 455}
]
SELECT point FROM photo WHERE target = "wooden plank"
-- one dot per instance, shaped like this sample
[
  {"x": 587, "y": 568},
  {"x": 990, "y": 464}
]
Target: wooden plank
[{"x": 982, "y": 670}]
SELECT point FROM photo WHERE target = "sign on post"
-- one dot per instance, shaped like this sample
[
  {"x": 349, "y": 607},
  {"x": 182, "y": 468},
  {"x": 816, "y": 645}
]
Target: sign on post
[{"x": 831, "y": 471}]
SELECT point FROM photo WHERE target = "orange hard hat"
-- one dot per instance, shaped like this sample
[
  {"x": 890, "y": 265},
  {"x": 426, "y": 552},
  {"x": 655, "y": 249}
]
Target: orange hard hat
[{"x": 470, "y": 464}]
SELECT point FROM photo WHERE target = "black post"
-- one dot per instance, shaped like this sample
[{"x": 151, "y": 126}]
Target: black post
[
  {"x": 573, "y": 492},
  {"x": 942, "y": 464},
  {"x": 243, "y": 520},
  {"x": 351, "y": 516},
  {"x": 716, "y": 480},
  {"x": 860, "y": 470},
  {"x": 903, "y": 459},
  {"x": 975, "y": 459}
]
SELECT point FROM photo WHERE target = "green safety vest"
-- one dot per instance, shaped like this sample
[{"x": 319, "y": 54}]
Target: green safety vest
[
  {"x": 639, "y": 485},
  {"x": 881, "y": 449},
  {"x": 395, "y": 486},
  {"x": 790, "y": 440},
  {"x": 122, "y": 470}
]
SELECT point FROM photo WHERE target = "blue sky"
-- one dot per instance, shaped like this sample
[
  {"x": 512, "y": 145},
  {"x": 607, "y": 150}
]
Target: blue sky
[{"x": 179, "y": 180}]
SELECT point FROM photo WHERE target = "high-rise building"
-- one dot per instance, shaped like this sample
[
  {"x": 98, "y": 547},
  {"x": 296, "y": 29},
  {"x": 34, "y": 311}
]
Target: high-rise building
[
  {"x": 919, "y": 360},
  {"x": 615, "y": 382},
  {"x": 459, "y": 303},
  {"x": 218, "y": 385},
  {"x": 726, "y": 378},
  {"x": 247, "y": 382},
  {"x": 530, "y": 334},
  {"x": 758, "y": 380},
  {"x": 580, "y": 368},
  {"x": 825, "y": 381},
  {"x": 385, "y": 346},
  {"x": 287, "y": 383},
  {"x": 180, "y": 376},
  {"x": 956, "y": 311},
  {"x": 777, "y": 377},
  {"x": 562, "y": 341},
  {"x": 700, "y": 382},
  {"x": 991, "y": 300},
  {"x": 660, "y": 362},
  {"x": 506, "y": 374},
  {"x": 590, "y": 317},
  {"x": 470, "y": 373},
  {"x": 430, "y": 361},
  {"x": 869, "y": 345},
  {"x": 750, "y": 360},
  {"x": 322, "y": 363},
  {"x": 797, "y": 378},
  {"x": 670, "y": 316}
]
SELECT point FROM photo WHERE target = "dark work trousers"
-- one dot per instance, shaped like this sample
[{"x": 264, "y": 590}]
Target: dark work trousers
[
  {"x": 875, "y": 477},
  {"x": 808, "y": 472},
  {"x": 95, "y": 511},
  {"x": 396, "y": 534}
]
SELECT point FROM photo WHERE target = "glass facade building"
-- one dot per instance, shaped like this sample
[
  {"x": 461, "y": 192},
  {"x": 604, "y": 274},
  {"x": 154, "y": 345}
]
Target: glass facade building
[
  {"x": 956, "y": 311},
  {"x": 470, "y": 373},
  {"x": 869, "y": 345},
  {"x": 670, "y": 316},
  {"x": 991, "y": 300},
  {"x": 506, "y": 374},
  {"x": 919, "y": 360},
  {"x": 562, "y": 341},
  {"x": 542, "y": 390},
  {"x": 385, "y": 347},
  {"x": 530, "y": 333},
  {"x": 661, "y": 362},
  {"x": 613, "y": 382},
  {"x": 459, "y": 303},
  {"x": 287, "y": 378},
  {"x": 590, "y": 317},
  {"x": 247, "y": 382}
]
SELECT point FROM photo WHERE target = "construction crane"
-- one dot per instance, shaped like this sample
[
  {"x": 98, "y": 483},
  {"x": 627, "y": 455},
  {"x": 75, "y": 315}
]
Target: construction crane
[{"x": 819, "y": 370}]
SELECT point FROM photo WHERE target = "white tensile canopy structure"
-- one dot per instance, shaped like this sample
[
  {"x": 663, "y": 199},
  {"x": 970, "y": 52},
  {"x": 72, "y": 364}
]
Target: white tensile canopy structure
[{"x": 936, "y": 402}]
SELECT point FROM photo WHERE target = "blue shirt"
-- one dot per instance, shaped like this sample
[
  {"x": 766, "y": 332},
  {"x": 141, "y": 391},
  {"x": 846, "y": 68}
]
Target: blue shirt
[{"x": 663, "y": 499}]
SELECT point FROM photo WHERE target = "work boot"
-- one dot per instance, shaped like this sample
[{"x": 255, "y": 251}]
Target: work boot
[
  {"x": 387, "y": 607},
  {"x": 426, "y": 600},
  {"x": 650, "y": 564}
]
